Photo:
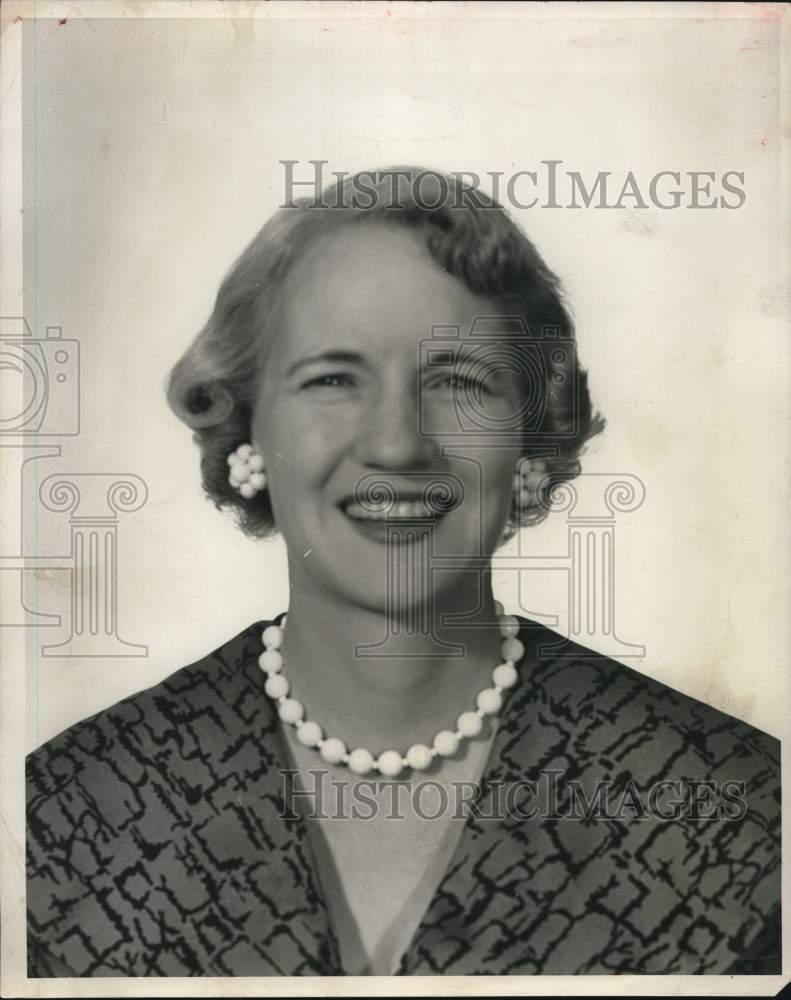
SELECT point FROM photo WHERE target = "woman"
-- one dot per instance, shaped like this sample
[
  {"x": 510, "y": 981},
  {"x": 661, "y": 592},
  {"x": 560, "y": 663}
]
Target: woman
[{"x": 388, "y": 379}]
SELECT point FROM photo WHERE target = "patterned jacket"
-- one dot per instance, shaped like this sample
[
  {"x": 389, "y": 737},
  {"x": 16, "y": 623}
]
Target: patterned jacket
[{"x": 159, "y": 843}]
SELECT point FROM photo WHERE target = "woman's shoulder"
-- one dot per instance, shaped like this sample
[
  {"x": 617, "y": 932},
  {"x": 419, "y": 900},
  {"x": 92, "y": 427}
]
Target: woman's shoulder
[
  {"x": 195, "y": 691},
  {"x": 585, "y": 676},
  {"x": 617, "y": 714},
  {"x": 157, "y": 745},
  {"x": 111, "y": 799},
  {"x": 164, "y": 806},
  {"x": 649, "y": 817},
  {"x": 152, "y": 746}
]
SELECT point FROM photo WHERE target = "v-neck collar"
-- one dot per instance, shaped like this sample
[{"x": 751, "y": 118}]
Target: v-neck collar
[{"x": 493, "y": 771}]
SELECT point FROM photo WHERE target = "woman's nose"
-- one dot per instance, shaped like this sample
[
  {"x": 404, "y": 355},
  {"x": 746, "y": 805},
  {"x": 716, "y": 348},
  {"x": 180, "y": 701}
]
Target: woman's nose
[{"x": 391, "y": 436}]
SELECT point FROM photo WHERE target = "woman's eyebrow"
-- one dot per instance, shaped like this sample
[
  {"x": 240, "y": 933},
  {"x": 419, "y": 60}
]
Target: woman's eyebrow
[
  {"x": 464, "y": 355},
  {"x": 337, "y": 357}
]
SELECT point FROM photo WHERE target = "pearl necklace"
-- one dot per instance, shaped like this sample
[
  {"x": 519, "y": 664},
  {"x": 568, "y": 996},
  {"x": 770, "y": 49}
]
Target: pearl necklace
[{"x": 390, "y": 763}]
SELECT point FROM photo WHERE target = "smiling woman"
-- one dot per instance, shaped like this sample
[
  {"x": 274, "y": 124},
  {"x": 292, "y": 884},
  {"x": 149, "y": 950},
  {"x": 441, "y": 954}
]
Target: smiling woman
[
  {"x": 453, "y": 238},
  {"x": 394, "y": 387}
]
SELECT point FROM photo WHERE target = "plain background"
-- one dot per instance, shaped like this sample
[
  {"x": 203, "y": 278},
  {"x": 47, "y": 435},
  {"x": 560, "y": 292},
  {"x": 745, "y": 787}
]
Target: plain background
[{"x": 153, "y": 149}]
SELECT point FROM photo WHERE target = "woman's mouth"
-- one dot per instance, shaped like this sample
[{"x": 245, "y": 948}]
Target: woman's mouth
[
  {"x": 400, "y": 521},
  {"x": 400, "y": 510}
]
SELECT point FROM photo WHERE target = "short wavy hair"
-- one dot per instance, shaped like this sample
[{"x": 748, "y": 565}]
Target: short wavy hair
[{"x": 213, "y": 387}]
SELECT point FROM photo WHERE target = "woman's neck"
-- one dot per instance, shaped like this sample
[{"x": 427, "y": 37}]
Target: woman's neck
[{"x": 373, "y": 680}]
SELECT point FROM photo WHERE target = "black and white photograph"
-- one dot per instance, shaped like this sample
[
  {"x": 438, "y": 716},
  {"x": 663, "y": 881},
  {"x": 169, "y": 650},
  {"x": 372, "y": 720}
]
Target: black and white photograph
[{"x": 395, "y": 446}]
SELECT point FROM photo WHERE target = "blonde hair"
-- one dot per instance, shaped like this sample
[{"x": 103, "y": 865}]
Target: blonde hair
[{"x": 214, "y": 386}]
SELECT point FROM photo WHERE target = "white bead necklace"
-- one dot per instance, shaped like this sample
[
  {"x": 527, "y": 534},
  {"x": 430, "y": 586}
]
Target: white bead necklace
[{"x": 390, "y": 763}]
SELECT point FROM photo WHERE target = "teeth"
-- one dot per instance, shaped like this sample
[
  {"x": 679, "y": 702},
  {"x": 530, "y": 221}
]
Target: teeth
[
  {"x": 402, "y": 509},
  {"x": 410, "y": 508}
]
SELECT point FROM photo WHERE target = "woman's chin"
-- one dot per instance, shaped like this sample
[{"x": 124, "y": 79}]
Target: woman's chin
[{"x": 388, "y": 569}]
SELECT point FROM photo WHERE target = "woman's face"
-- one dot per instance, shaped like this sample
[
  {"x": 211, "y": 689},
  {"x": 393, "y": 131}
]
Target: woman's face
[{"x": 353, "y": 395}]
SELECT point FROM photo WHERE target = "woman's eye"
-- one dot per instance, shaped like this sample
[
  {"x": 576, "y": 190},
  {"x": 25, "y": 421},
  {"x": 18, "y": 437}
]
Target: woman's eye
[
  {"x": 331, "y": 380},
  {"x": 458, "y": 380}
]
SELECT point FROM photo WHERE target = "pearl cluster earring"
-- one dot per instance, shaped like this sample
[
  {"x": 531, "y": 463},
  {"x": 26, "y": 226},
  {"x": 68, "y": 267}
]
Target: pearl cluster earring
[
  {"x": 247, "y": 471},
  {"x": 527, "y": 481}
]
